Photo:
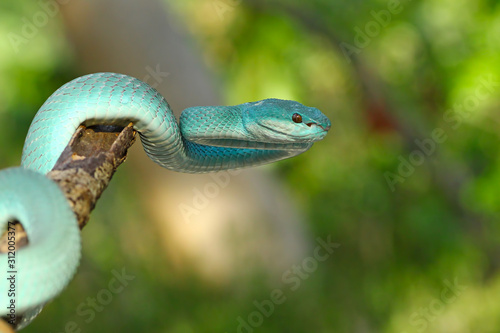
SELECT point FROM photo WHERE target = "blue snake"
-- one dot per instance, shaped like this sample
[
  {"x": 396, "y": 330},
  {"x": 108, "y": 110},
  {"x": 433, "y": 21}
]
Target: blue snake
[{"x": 206, "y": 139}]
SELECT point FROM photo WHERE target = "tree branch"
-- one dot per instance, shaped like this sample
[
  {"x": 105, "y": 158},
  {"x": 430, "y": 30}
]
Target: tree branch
[{"x": 83, "y": 171}]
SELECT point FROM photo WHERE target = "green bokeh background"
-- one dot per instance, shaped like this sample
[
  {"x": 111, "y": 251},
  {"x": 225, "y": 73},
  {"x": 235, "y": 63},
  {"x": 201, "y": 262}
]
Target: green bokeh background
[{"x": 403, "y": 230}]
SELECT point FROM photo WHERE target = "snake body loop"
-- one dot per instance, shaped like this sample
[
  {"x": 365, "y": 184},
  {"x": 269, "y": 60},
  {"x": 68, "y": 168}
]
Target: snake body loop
[{"x": 206, "y": 139}]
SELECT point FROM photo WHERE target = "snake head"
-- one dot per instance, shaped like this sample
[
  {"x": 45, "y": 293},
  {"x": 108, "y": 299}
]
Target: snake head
[
  {"x": 278, "y": 121},
  {"x": 267, "y": 124}
]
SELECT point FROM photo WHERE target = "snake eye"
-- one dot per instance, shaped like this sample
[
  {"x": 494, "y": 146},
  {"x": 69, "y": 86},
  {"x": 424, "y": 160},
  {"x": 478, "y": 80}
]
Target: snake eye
[{"x": 297, "y": 118}]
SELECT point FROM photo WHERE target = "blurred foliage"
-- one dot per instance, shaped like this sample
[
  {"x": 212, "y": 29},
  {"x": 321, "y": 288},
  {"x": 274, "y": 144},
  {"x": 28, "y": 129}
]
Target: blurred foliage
[{"x": 415, "y": 67}]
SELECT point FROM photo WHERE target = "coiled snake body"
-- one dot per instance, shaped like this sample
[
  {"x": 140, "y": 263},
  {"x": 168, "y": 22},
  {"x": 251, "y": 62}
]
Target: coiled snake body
[{"x": 210, "y": 138}]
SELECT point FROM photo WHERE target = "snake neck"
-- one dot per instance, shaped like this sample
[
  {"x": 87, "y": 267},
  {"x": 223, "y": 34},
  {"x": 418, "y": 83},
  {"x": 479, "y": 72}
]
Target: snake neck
[{"x": 214, "y": 125}]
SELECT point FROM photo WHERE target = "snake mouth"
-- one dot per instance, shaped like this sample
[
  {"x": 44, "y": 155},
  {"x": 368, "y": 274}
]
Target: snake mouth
[
  {"x": 326, "y": 128},
  {"x": 316, "y": 133},
  {"x": 253, "y": 145}
]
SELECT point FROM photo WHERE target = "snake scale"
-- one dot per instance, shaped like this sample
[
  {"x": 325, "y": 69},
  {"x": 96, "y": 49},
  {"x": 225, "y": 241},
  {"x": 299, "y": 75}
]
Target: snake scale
[{"x": 206, "y": 139}]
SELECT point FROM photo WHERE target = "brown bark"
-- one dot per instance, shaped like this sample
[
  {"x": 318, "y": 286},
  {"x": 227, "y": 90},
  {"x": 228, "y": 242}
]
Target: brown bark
[{"x": 83, "y": 172}]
